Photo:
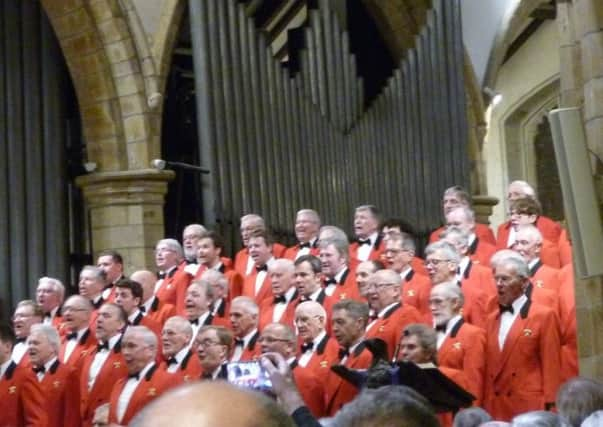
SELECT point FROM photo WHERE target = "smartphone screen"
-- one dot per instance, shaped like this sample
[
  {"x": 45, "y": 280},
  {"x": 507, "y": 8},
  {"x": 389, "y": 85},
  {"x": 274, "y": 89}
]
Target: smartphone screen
[{"x": 249, "y": 375}]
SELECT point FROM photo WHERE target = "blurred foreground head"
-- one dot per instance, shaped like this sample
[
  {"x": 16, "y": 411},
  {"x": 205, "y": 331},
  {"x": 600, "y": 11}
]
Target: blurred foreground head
[{"x": 209, "y": 404}]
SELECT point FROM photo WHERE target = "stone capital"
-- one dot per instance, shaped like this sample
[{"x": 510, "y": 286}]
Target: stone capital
[{"x": 482, "y": 206}]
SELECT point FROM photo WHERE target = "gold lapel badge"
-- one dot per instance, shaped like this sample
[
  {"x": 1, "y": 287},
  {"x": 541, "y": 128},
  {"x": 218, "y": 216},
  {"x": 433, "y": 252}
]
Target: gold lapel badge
[
  {"x": 12, "y": 389},
  {"x": 457, "y": 345},
  {"x": 152, "y": 392},
  {"x": 410, "y": 293},
  {"x": 527, "y": 332}
]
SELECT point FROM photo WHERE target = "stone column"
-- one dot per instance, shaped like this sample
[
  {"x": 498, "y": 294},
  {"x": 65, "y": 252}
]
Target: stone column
[
  {"x": 582, "y": 86},
  {"x": 125, "y": 211}
]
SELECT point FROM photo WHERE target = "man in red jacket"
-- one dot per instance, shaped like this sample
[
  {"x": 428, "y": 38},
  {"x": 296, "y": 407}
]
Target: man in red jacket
[
  {"x": 59, "y": 382},
  {"x": 307, "y": 224}
]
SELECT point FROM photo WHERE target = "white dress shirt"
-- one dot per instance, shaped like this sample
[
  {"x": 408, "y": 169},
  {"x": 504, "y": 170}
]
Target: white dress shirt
[
  {"x": 364, "y": 251},
  {"x": 129, "y": 388},
  {"x": 99, "y": 360},
  {"x": 304, "y": 358},
  {"x": 507, "y": 319}
]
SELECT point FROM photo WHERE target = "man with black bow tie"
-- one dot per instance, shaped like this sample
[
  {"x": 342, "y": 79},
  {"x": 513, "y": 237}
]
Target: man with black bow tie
[
  {"x": 151, "y": 306},
  {"x": 173, "y": 279},
  {"x": 27, "y": 314},
  {"x": 21, "y": 400},
  {"x": 281, "y": 308},
  {"x": 79, "y": 339},
  {"x": 244, "y": 318},
  {"x": 49, "y": 295},
  {"x": 279, "y": 338},
  {"x": 308, "y": 281},
  {"x": 522, "y": 347},
  {"x": 196, "y": 307},
  {"x": 214, "y": 344},
  {"x": 307, "y": 225},
  {"x": 113, "y": 264},
  {"x": 460, "y": 345},
  {"x": 92, "y": 282},
  {"x": 257, "y": 284},
  {"x": 179, "y": 358},
  {"x": 339, "y": 280},
  {"x": 144, "y": 381},
  {"x": 128, "y": 295},
  {"x": 220, "y": 302},
  {"x": 349, "y": 322},
  {"x": 105, "y": 365},
  {"x": 368, "y": 244},
  {"x": 59, "y": 382}
]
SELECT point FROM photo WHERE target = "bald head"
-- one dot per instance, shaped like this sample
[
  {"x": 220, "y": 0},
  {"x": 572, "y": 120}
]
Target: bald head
[
  {"x": 147, "y": 280},
  {"x": 188, "y": 406}
]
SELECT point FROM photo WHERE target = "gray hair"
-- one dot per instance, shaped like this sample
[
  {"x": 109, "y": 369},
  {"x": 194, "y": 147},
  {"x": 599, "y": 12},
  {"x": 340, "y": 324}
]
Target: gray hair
[
  {"x": 99, "y": 274},
  {"x": 527, "y": 189},
  {"x": 333, "y": 232},
  {"x": 530, "y": 231},
  {"x": 457, "y": 235},
  {"x": 197, "y": 229},
  {"x": 214, "y": 276},
  {"x": 452, "y": 290},
  {"x": 50, "y": 333},
  {"x": 58, "y": 286},
  {"x": 393, "y": 405},
  {"x": 173, "y": 245},
  {"x": 503, "y": 254},
  {"x": 471, "y": 417},
  {"x": 537, "y": 419},
  {"x": 204, "y": 286},
  {"x": 310, "y": 212},
  {"x": 282, "y": 263},
  {"x": 356, "y": 309},
  {"x": 181, "y": 324},
  {"x": 446, "y": 249},
  {"x": 147, "y": 336},
  {"x": 578, "y": 398},
  {"x": 519, "y": 266},
  {"x": 248, "y": 304},
  {"x": 593, "y": 420},
  {"x": 255, "y": 219},
  {"x": 340, "y": 245}
]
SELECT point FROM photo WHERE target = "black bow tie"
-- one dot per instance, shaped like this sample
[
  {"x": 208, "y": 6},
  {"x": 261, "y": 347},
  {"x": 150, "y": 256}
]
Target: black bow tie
[
  {"x": 239, "y": 342},
  {"x": 364, "y": 242},
  {"x": 48, "y": 314},
  {"x": 262, "y": 268},
  {"x": 331, "y": 281},
  {"x": 343, "y": 352},
  {"x": 194, "y": 321},
  {"x": 135, "y": 375},
  {"x": 441, "y": 328},
  {"x": 39, "y": 369},
  {"x": 161, "y": 275},
  {"x": 102, "y": 346},
  {"x": 207, "y": 376},
  {"x": 504, "y": 308},
  {"x": 305, "y": 245},
  {"x": 280, "y": 299},
  {"x": 172, "y": 361},
  {"x": 20, "y": 340},
  {"x": 72, "y": 336},
  {"x": 307, "y": 346},
  {"x": 142, "y": 308}
]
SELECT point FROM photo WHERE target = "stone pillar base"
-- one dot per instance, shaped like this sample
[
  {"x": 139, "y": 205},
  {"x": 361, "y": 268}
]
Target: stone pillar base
[
  {"x": 126, "y": 212},
  {"x": 482, "y": 205}
]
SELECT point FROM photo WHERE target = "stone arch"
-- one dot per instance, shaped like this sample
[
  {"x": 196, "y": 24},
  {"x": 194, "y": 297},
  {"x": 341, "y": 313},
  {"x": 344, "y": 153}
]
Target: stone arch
[
  {"x": 521, "y": 126},
  {"x": 102, "y": 42}
]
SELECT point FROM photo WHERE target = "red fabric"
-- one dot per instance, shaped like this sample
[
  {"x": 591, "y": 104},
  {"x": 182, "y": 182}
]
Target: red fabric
[
  {"x": 173, "y": 288},
  {"x": 161, "y": 312},
  {"x": 189, "y": 370},
  {"x": 389, "y": 328},
  {"x": 311, "y": 390},
  {"x": 264, "y": 293},
  {"x": 526, "y": 373},
  {"x": 61, "y": 389},
  {"x": 291, "y": 252},
  {"x": 240, "y": 261},
  {"x": 267, "y": 310},
  {"x": 80, "y": 350},
  {"x": 375, "y": 254},
  {"x": 569, "y": 338},
  {"x": 549, "y": 229},
  {"x": 22, "y": 402},
  {"x": 416, "y": 292},
  {"x": 146, "y": 391},
  {"x": 546, "y": 277}
]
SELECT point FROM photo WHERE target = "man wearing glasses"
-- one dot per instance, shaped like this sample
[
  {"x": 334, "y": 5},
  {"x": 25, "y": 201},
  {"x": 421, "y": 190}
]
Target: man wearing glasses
[
  {"x": 79, "y": 339},
  {"x": 213, "y": 347},
  {"x": 460, "y": 346},
  {"x": 173, "y": 280},
  {"x": 383, "y": 293}
]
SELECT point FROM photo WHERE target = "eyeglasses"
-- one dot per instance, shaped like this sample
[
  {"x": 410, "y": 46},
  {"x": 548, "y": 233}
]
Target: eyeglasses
[
  {"x": 379, "y": 286},
  {"x": 161, "y": 250},
  {"x": 435, "y": 262},
  {"x": 208, "y": 343},
  {"x": 66, "y": 309},
  {"x": 270, "y": 340},
  {"x": 305, "y": 320}
]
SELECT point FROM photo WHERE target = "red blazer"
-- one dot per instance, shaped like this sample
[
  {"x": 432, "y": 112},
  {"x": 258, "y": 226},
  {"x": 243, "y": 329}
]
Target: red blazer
[
  {"x": 480, "y": 252},
  {"x": 416, "y": 289},
  {"x": 526, "y": 373},
  {"x": 375, "y": 254},
  {"x": 465, "y": 349},
  {"x": 339, "y": 391},
  {"x": 153, "y": 385},
  {"x": 482, "y": 231},
  {"x": 389, "y": 328},
  {"x": 325, "y": 354},
  {"x": 567, "y": 315},
  {"x": 565, "y": 249},
  {"x": 347, "y": 288},
  {"x": 479, "y": 277},
  {"x": 264, "y": 293},
  {"x": 477, "y": 305},
  {"x": 543, "y": 276},
  {"x": 549, "y": 229},
  {"x": 288, "y": 317},
  {"x": 22, "y": 402},
  {"x": 149, "y": 322},
  {"x": 160, "y": 311},
  {"x": 189, "y": 370},
  {"x": 310, "y": 388},
  {"x": 61, "y": 388},
  {"x": 418, "y": 265},
  {"x": 112, "y": 370},
  {"x": 223, "y": 311},
  {"x": 84, "y": 346},
  {"x": 252, "y": 351},
  {"x": 240, "y": 261},
  {"x": 174, "y": 286},
  {"x": 291, "y": 252},
  {"x": 235, "y": 280}
]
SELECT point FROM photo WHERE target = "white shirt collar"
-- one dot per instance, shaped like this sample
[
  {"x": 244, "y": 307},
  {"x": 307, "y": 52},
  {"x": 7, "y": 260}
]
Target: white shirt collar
[{"x": 383, "y": 311}]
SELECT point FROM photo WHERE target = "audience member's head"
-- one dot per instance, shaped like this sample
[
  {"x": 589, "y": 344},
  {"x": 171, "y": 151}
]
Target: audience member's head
[
  {"x": 471, "y": 417},
  {"x": 537, "y": 419},
  {"x": 392, "y": 406},
  {"x": 229, "y": 406},
  {"x": 593, "y": 420},
  {"x": 578, "y": 398}
]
